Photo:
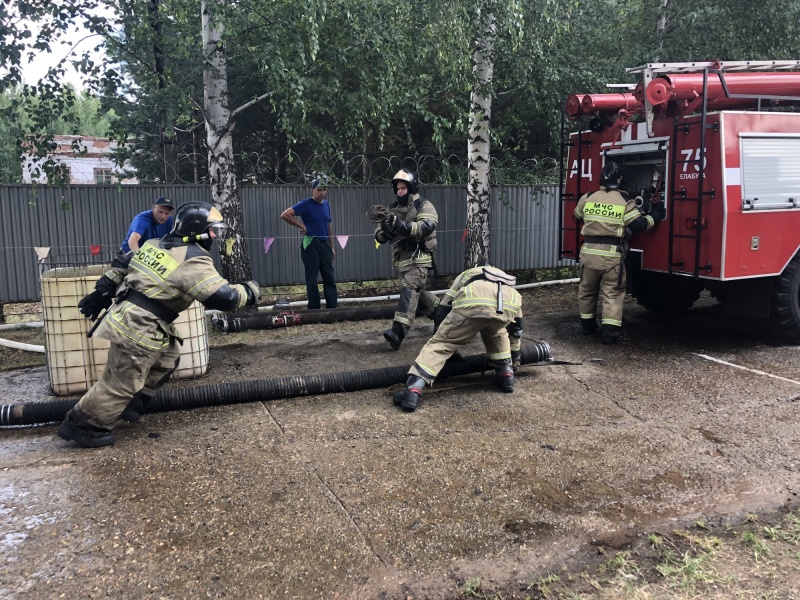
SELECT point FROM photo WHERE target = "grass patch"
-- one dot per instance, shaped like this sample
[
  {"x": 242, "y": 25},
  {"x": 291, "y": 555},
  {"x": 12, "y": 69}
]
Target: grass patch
[{"x": 756, "y": 558}]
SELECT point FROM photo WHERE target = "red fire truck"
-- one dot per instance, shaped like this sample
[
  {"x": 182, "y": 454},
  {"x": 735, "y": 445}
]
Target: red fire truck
[{"x": 718, "y": 143}]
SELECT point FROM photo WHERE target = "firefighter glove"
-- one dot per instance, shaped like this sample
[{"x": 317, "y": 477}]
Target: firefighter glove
[
  {"x": 658, "y": 211},
  {"x": 389, "y": 224},
  {"x": 440, "y": 314},
  {"x": 253, "y": 290}
]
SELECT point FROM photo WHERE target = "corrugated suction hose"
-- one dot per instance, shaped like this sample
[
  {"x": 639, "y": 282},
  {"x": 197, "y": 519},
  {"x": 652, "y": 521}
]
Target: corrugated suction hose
[
  {"x": 273, "y": 320},
  {"x": 264, "y": 389}
]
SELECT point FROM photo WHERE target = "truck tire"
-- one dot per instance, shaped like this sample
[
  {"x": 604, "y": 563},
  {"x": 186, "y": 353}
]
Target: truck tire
[
  {"x": 660, "y": 292},
  {"x": 784, "y": 308}
]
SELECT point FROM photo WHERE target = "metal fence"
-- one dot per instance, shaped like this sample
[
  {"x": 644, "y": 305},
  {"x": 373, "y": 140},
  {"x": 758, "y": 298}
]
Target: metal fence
[{"x": 50, "y": 226}]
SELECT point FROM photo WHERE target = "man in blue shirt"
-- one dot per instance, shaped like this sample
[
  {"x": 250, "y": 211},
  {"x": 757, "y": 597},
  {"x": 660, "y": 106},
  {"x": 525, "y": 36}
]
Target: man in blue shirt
[
  {"x": 317, "y": 250},
  {"x": 150, "y": 224}
]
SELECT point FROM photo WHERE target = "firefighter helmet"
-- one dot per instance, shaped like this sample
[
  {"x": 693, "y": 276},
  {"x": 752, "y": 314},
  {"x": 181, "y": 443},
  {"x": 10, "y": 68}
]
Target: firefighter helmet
[
  {"x": 611, "y": 175},
  {"x": 407, "y": 177},
  {"x": 194, "y": 219}
]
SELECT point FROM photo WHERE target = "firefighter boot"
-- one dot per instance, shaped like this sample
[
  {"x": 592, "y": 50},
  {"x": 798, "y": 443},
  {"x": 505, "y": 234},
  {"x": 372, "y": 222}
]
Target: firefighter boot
[
  {"x": 76, "y": 427},
  {"x": 588, "y": 326},
  {"x": 408, "y": 397},
  {"x": 609, "y": 334},
  {"x": 504, "y": 373},
  {"x": 396, "y": 334}
]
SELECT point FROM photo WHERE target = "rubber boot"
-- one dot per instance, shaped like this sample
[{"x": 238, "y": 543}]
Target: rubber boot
[
  {"x": 396, "y": 334},
  {"x": 408, "y": 398},
  {"x": 505, "y": 376},
  {"x": 588, "y": 326},
  {"x": 609, "y": 334},
  {"x": 76, "y": 427}
]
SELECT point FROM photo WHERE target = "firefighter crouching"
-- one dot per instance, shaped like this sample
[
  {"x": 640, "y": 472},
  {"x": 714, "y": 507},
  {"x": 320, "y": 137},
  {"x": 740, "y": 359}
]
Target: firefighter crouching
[
  {"x": 606, "y": 215},
  {"x": 162, "y": 278},
  {"x": 410, "y": 226},
  {"x": 481, "y": 300}
]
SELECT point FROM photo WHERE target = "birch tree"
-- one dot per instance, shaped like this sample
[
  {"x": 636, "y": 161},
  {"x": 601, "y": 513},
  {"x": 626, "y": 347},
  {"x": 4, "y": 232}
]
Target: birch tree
[
  {"x": 478, "y": 143},
  {"x": 219, "y": 140}
]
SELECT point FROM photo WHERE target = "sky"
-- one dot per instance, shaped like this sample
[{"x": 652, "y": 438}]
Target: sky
[{"x": 34, "y": 70}]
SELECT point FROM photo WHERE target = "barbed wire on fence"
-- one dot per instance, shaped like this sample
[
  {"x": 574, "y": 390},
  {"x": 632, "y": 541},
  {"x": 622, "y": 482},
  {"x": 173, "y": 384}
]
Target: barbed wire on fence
[{"x": 295, "y": 168}]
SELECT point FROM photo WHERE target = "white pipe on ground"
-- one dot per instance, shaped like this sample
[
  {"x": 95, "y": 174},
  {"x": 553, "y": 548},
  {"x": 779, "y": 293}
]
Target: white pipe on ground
[
  {"x": 524, "y": 286},
  {"x": 21, "y": 346}
]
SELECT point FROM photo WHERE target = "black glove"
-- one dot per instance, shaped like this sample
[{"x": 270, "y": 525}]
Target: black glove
[
  {"x": 440, "y": 314},
  {"x": 658, "y": 211},
  {"x": 389, "y": 224},
  {"x": 100, "y": 299}
]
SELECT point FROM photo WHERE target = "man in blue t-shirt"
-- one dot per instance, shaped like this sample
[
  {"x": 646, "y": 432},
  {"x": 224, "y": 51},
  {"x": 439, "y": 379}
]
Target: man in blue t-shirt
[
  {"x": 150, "y": 224},
  {"x": 317, "y": 250}
]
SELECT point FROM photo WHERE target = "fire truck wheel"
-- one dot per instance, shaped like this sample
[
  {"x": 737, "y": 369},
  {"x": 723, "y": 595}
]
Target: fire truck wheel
[
  {"x": 660, "y": 292},
  {"x": 784, "y": 310}
]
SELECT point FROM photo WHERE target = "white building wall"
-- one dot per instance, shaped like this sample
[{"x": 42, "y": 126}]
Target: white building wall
[{"x": 95, "y": 154}]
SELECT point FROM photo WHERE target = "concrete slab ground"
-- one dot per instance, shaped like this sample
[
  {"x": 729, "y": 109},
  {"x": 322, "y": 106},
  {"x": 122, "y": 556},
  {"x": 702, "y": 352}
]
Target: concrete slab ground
[{"x": 344, "y": 496}]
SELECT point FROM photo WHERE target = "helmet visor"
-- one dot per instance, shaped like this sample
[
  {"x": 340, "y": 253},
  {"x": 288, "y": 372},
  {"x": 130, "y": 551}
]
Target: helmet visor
[{"x": 218, "y": 228}]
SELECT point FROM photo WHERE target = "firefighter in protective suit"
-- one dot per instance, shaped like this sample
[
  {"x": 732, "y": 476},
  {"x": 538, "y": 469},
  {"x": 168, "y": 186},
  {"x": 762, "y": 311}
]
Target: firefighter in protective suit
[
  {"x": 481, "y": 300},
  {"x": 608, "y": 215},
  {"x": 411, "y": 227},
  {"x": 161, "y": 279}
]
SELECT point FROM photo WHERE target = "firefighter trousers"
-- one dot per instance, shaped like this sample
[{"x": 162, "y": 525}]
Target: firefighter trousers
[
  {"x": 598, "y": 285},
  {"x": 128, "y": 371},
  {"x": 414, "y": 298},
  {"x": 458, "y": 329}
]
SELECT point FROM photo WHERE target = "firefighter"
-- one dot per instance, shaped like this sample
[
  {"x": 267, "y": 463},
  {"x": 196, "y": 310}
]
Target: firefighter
[
  {"x": 161, "y": 279},
  {"x": 608, "y": 215},
  {"x": 481, "y": 300},
  {"x": 411, "y": 227}
]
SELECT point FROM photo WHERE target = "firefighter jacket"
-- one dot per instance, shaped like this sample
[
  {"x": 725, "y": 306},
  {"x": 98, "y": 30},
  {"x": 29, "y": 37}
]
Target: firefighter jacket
[
  {"x": 159, "y": 283},
  {"x": 415, "y": 249},
  {"x": 605, "y": 215},
  {"x": 484, "y": 292}
]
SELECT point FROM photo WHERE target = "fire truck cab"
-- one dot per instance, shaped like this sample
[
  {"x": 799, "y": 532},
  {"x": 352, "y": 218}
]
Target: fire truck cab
[{"x": 718, "y": 143}]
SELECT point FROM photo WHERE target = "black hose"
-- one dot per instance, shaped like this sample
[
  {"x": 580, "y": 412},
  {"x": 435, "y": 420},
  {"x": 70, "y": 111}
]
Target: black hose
[
  {"x": 274, "y": 320},
  {"x": 264, "y": 389}
]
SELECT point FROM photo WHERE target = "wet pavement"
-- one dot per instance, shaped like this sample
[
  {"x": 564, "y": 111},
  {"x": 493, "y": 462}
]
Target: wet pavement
[{"x": 344, "y": 496}]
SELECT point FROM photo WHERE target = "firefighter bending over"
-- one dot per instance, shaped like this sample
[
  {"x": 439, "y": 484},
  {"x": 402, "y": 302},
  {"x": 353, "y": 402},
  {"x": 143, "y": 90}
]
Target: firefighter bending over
[
  {"x": 606, "y": 215},
  {"x": 481, "y": 300},
  {"x": 161, "y": 279},
  {"x": 411, "y": 227}
]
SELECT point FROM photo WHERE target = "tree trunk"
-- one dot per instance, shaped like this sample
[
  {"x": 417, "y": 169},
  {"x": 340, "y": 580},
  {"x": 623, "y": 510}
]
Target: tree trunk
[
  {"x": 478, "y": 242},
  {"x": 219, "y": 132},
  {"x": 166, "y": 137},
  {"x": 661, "y": 28}
]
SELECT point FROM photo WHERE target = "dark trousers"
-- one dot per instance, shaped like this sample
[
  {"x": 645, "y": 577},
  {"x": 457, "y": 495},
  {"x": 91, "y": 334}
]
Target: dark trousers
[{"x": 318, "y": 260}]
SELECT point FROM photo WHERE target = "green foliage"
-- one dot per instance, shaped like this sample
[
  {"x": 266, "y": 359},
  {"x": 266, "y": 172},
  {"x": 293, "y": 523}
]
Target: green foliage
[
  {"x": 375, "y": 79},
  {"x": 29, "y": 122}
]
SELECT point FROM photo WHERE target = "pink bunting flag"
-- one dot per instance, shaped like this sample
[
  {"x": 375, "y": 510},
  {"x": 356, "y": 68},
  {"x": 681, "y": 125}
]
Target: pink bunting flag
[
  {"x": 343, "y": 240},
  {"x": 95, "y": 249},
  {"x": 464, "y": 236},
  {"x": 267, "y": 243}
]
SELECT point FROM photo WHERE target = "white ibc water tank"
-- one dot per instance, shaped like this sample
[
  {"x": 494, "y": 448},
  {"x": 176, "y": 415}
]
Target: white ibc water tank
[{"x": 75, "y": 362}]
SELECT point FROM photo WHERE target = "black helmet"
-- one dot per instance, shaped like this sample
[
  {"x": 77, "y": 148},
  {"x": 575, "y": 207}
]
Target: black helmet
[
  {"x": 193, "y": 220},
  {"x": 407, "y": 177},
  {"x": 611, "y": 175}
]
